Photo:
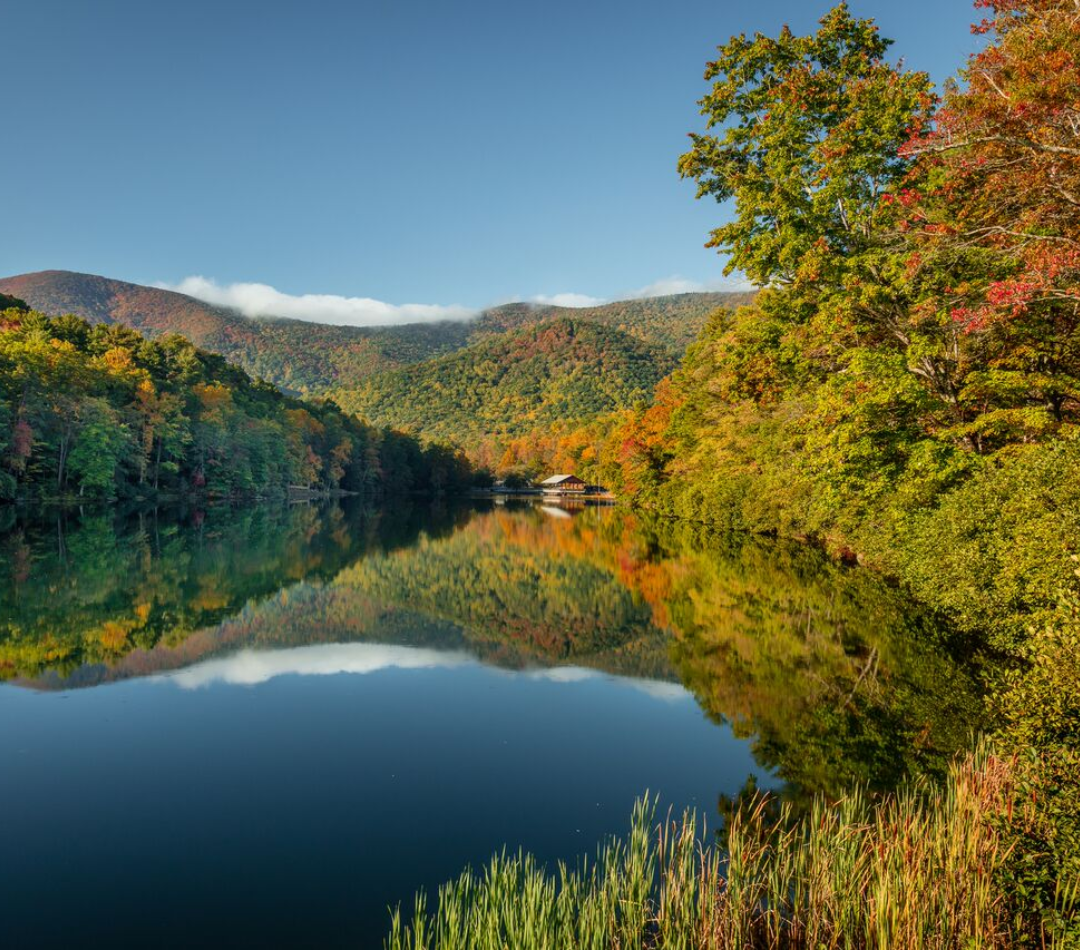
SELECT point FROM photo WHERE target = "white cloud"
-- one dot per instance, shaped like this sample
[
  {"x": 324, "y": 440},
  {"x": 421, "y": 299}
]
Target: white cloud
[
  {"x": 680, "y": 285},
  {"x": 567, "y": 300},
  {"x": 262, "y": 300}
]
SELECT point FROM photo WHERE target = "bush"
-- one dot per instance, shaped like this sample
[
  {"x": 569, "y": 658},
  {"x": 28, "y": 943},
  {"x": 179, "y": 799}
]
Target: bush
[
  {"x": 1041, "y": 709},
  {"x": 995, "y": 553}
]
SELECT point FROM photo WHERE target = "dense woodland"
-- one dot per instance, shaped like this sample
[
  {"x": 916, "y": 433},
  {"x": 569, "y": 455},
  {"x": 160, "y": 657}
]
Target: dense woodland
[
  {"x": 906, "y": 387},
  {"x": 559, "y": 371},
  {"x": 101, "y": 412}
]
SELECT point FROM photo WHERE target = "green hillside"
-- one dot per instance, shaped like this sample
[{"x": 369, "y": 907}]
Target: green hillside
[
  {"x": 101, "y": 412},
  {"x": 294, "y": 355},
  {"x": 513, "y": 383}
]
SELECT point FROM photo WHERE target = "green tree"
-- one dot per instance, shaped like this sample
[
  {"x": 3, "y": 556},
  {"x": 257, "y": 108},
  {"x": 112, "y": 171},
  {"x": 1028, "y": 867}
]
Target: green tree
[
  {"x": 809, "y": 132},
  {"x": 102, "y": 445}
]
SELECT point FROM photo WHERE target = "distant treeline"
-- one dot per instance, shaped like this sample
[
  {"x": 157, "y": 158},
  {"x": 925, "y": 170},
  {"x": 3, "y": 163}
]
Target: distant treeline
[{"x": 101, "y": 412}]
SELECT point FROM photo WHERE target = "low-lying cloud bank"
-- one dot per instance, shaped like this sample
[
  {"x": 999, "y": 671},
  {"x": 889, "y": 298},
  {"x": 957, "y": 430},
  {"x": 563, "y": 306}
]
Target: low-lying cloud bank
[
  {"x": 567, "y": 300},
  {"x": 262, "y": 300}
]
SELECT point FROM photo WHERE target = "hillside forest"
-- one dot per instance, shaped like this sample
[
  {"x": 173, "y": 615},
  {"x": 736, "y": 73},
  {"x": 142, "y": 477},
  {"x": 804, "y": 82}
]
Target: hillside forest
[
  {"x": 906, "y": 386},
  {"x": 99, "y": 412}
]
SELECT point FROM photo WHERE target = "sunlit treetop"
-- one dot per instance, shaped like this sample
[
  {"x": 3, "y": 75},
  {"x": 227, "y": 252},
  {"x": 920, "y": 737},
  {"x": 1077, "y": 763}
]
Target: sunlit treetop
[{"x": 805, "y": 134}]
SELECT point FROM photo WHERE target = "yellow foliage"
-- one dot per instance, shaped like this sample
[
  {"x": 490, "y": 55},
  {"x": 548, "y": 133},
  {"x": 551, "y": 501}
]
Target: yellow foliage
[
  {"x": 114, "y": 635},
  {"x": 213, "y": 396},
  {"x": 117, "y": 360}
]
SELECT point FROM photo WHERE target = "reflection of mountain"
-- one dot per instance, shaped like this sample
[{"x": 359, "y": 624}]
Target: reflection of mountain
[
  {"x": 79, "y": 595},
  {"x": 495, "y": 586},
  {"x": 830, "y": 671}
]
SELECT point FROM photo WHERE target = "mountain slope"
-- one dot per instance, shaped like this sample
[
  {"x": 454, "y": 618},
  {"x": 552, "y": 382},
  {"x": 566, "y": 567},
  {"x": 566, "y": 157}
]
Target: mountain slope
[
  {"x": 512, "y": 383},
  {"x": 314, "y": 358}
]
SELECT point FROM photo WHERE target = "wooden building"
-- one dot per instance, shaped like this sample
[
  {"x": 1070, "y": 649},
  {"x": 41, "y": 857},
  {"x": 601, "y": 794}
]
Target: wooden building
[{"x": 563, "y": 485}]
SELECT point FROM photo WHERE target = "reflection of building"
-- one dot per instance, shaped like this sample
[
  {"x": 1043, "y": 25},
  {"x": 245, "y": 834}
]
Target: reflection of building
[
  {"x": 563, "y": 485},
  {"x": 554, "y": 512}
]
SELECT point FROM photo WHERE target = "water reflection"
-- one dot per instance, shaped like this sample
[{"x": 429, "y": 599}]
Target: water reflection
[
  {"x": 830, "y": 673},
  {"x": 252, "y": 667}
]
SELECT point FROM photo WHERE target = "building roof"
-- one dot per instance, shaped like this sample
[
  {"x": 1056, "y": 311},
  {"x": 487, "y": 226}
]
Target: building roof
[{"x": 559, "y": 479}]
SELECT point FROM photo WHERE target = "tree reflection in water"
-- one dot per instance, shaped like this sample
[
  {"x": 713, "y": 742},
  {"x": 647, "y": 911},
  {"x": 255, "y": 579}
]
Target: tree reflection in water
[{"x": 832, "y": 673}]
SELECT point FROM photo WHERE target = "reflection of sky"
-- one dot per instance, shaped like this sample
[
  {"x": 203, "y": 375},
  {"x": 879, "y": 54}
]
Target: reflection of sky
[{"x": 252, "y": 667}]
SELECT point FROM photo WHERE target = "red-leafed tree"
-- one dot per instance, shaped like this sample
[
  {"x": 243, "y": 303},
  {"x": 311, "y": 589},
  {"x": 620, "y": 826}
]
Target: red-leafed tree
[{"x": 1001, "y": 203}]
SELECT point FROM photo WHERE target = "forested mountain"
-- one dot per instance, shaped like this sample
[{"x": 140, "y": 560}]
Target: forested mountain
[
  {"x": 311, "y": 358},
  {"x": 101, "y": 412},
  {"x": 563, "y": 370},
  {"x": 294, "y": 355}
]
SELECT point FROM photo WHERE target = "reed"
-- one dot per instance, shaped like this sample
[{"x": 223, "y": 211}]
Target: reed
[{"x": 917, "y": 869}]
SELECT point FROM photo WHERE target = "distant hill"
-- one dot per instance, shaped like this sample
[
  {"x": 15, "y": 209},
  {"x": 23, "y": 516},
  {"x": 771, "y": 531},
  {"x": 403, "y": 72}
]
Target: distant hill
[
  {"x": 315, "y": 358},
  {"x": 511, "y": 383},
  {"x": 672, "y": 322}
]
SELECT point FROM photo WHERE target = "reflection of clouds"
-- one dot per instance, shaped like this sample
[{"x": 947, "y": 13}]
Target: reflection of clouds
[
  {"x": 563, "y": 674},
  {"x": 250, "y": 667},
  {"x": 657, "y": 689}
]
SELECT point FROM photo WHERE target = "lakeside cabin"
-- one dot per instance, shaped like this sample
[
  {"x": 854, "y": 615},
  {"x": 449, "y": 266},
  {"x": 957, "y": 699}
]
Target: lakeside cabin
[{"x": 563, "y": 485}]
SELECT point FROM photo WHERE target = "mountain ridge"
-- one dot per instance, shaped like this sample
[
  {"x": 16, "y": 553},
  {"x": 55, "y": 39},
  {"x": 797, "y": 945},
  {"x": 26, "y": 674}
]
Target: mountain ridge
[{"x": 313, "y": 358}]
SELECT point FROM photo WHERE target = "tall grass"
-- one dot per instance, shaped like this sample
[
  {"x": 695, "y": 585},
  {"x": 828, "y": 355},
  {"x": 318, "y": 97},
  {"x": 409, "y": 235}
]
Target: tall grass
[{"x": 916, "y": 870}]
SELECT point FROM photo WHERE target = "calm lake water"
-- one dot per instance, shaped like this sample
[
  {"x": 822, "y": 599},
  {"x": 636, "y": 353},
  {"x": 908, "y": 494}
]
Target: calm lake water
[{"x": 264, "y": 726}]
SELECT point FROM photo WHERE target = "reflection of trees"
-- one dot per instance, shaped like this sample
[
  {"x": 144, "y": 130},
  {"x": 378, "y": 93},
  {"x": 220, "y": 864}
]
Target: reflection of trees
[
  {"x": 77, "y": 591},
  {"x": 505, "y": 586},
  {"x": 523, "y": 589},
  {"x": 830, "y": 671},
  {"x": 833, "y": 672}
]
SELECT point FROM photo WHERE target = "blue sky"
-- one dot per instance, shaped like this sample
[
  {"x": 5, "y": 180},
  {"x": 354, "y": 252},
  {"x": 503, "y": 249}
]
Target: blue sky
[{"x": 461, "y": 152}]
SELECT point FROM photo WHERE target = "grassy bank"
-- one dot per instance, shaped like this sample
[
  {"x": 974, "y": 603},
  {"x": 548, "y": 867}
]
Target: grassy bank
[{"x": 922, "y": 868}]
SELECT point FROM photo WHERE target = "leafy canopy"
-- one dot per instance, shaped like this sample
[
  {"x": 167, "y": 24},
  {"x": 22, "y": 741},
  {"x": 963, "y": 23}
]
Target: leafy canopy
[{"x": 806, "y": 142}]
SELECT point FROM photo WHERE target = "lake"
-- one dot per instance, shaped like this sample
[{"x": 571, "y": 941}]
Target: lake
[{"x": 265, "y": 726}]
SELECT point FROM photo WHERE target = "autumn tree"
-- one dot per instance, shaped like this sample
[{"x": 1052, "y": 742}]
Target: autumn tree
[
  {"x": 1001, "y": 193},
  {"x": 804, "y": 135}
]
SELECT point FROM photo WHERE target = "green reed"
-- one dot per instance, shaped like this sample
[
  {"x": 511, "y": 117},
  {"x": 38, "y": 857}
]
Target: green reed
[{"x": 914, "y": 870}]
